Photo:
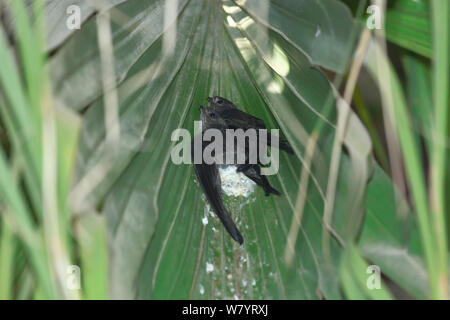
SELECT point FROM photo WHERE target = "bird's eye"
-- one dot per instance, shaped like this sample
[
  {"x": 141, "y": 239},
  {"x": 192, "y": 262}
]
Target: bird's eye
[
  {"x": 219, "y": 101},
  {"x": 212, "y": 115}
]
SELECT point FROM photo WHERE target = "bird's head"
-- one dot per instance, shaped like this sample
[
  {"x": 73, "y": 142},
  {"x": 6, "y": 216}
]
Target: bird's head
[
  {"x": 211, "y": 117},
  {"x": 219, "y": 101}
]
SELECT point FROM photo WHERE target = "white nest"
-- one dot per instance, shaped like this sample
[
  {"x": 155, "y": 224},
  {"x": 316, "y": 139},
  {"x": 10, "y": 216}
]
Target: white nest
[{"x": 235, "y": 184}]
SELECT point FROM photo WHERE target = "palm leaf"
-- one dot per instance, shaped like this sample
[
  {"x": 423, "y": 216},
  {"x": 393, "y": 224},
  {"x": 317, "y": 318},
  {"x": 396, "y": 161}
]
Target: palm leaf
[{"x": 264, "y": 61}]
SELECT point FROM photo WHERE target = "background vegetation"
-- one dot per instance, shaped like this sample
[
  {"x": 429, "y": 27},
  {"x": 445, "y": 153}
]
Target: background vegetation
[{"x": 86, "y": 179}]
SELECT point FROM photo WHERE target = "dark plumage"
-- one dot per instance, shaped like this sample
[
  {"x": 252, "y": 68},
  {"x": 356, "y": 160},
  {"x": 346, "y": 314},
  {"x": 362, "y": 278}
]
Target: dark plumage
[
  {"x": 222, "y": 114},
  {"x": 209, "y": 179}
]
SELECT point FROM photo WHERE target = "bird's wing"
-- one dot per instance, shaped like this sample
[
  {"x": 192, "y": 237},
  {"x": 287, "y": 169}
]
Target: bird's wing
[{"x": 238, "y": 119}]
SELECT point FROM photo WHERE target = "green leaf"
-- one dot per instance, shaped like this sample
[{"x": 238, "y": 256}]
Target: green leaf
[
  {"x": 142, "y": 24},
  {"x": 408, "y": 25},
  {"x": 31, "y": 208},
  {"x": 94, "y": 257},
  {"x": 358, "y": 277},
  {"x": 395, "y": 102},
  {"x": 77, "y": 64},
  {"x": 390, "y": 240},
  {"x": 159, "y": 247},
  {"x": 317, "y": 22},
  {"x": 441, "y": 66},
  {"x": 15, "y": 114},
  {"x": 57, "y": 16},
  {"x": 419, "y": 94},
  {"x": 7, "y": 247}
]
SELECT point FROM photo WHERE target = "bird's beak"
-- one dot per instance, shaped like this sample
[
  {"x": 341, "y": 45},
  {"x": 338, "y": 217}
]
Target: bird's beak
[
  {"x": 201, "y": 108},
  {"x": 209, "y": 99}
]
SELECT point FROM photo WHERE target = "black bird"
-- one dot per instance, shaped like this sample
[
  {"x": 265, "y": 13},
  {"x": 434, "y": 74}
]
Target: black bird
[{"x": 222, "y": 114}]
